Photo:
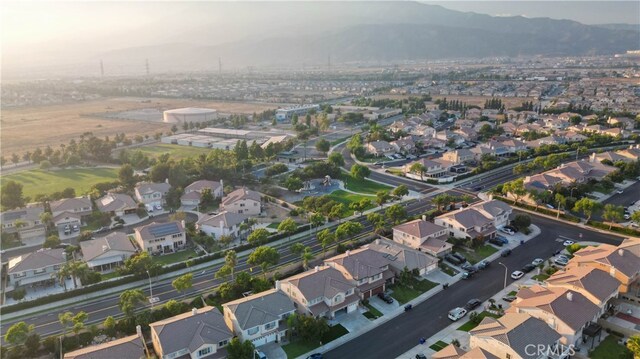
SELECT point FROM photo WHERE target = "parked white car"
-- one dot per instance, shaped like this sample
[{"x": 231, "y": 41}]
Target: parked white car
[
  {"x": 517, "y": 274},
  {"x": 536, "y": 262},
  {"x": 567, "y": 243},
  {"x": 506, "y": 230},
  {"x": 457, "y": 313}
]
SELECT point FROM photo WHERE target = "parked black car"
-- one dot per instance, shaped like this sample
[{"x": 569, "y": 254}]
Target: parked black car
[
  {"x": 505, "y": 253},
  {"x": 528, "y": 268},
  {"x": 496, "y": 241},
  {"x": 452, "y": 259},
  {"x": 467, "y": 267},
  {"x": 472, "y": 304},
  {"x": 483, "y": 264},
  {"x": 460, "y": 257},
  {"x": 387, "y": 298},
  {"x": 509, "y": 298}
]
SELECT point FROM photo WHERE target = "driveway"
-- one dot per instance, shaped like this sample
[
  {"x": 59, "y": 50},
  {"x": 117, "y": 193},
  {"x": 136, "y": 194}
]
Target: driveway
[
  {"x": 382, "y": 306},
  {"x": 352, "y": 322},
  {"x": 273, "y": 351}
]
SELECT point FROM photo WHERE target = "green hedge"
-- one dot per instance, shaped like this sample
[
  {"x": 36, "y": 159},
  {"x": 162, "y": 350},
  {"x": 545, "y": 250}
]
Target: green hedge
[
  {"x": 617, "y": 229},
  {"x": 540, "y": 209}
]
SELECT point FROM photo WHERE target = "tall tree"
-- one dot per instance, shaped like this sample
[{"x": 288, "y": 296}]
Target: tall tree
[
  {"x": 400, "y": 191},
  {"x": 126, "y": 176},
  {"x": 336, "y": 159},
  {"x": 18, "y": 333},
  {"x": 360, "y": 172},
  {"x": 231, "y": 260},
  {"x": 561, "y": 202},
  {"x": 377, "y": 220},
  {"x": 587, "y": 207},
  {"x": 348, "y": 229},
  {"x": 382, "y": 197},
  {"x": 396, "y": 213},
  {"x": 183, "y": 283},
  {"x": 265, "y": 257},
  {"x": 288, "y": 227},
  {"x": 316, "y": 221},
  {"x": 613, "y": 213},
  {"x": 129, "y": 300},
  {"x": 11, "y": 195},
  {"x": 326, "y": 238},
  {"x": 418, "y": 168},
  {"x": 323, "y": 145},
  {"x": 258, "y": 237},
  {"x": 240, "y": 350}
]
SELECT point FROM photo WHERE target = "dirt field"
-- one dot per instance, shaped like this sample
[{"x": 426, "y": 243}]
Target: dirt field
[{"x": 26, "y": 128}]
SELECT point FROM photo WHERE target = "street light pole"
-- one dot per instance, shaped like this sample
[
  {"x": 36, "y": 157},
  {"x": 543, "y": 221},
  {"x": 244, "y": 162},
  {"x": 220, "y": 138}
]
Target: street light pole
[
  {"x": 151, "y": 290},
  {"x": 505, "y": 274}
]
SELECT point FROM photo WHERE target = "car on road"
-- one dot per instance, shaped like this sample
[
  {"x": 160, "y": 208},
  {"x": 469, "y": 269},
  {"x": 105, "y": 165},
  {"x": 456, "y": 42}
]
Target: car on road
[
  {"x": 507, "y": 231},
  {"x": 528, "y": 267},
  {"x": 385, "y": 297},
  {"x": 467, "y": 275},
  {"x": 567, "y": 243},
  {"x": 505, "y": 253},
  {"x": 536, "y": 262},
  {"x": 467, "y": 267},
  {"x": 561, "y": 261},
  {"x": 421, "y": 356},
  {"x": 483, "y": 264},
  {"x": 315, "y": 356},
  {"x": 619, "y": 191},
  {"x": 496, "y": 241},
  {"x": 509, "y": 298},
  {"x": 100, "y": 230},
  {"x": 472, "y": 304},
  {"x": 457, "y": 313},
  {"x": 517, "y": 275}
]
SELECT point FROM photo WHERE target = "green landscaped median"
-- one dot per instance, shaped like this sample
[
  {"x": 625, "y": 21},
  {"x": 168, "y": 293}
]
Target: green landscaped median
[
  {"x": 47, "y": 182},
  {"x": 177, "y": 152},
  {"x": 362, "y": 186},
  {"x": 404, "y": 294},
  {"x": 297, "y": 347},
  {"x": 347, "y": 198}
]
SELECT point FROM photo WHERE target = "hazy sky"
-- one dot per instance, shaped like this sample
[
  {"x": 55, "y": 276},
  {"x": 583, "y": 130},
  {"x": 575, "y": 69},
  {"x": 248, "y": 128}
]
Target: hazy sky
[{"x": 586, "y": 12}]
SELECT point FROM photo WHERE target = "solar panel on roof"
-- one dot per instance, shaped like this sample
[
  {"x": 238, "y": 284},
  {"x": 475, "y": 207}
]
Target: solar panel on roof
[
  {"x": 162, "y": 230},
  {"x": 10, "y": 216}
]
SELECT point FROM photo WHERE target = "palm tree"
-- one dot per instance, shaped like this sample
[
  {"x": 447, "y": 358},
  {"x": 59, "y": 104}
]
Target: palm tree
[
  {"x": 231, "y": 260},
  {"x": 561, "y": 202},
  {"x": 306, "y": 256},
  {"x": 61, "y": 275},
  {"x": 418, "y": 168}
]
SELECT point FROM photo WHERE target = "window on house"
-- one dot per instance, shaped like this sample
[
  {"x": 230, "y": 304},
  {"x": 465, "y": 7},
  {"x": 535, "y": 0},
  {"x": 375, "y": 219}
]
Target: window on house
[
  {"x": 223, "y": 343},
  {"x": 252, "y": 331},
  {"x": 203, "y": 352},
  {"x": 269, "y": 326}
]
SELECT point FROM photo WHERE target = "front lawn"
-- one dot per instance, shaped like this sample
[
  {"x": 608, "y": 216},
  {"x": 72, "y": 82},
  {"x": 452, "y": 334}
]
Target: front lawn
[
  {"x": 480, "y": 253},
  {"x": 470, "y": 324},
  {"x": 438, "y": 346},
  {"x": 47, "y": 182},
  {"x": 373, "y": 312},
  {"x": 404, "y": 294},
  {"x": 610, "y": 348},
  {"x": 541, "y": 277},
  {"x": 362, "y": 186},
  {"x": 446, "y": 269},
  {"x": 297, "y": 347},
  {"x": 176, "y": 257}
]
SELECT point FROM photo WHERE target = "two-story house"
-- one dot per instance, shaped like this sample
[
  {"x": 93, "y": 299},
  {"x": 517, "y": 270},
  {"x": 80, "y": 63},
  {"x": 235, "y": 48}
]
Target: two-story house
[
  {"x": 479, "y": 220},
  {"x": 458, "y": 156},
  {"x": 161, "y": 238},
  {"x": 596, "y": 285},
  {"x": 321, "y": 292},
  {"x": 430, "y": 168},
  {"x": 117, "y": 204},
  {"x": 70, "y": 211},
  {"x": 566, "y": 311},
  {"x": 35, "y": 268},
  {"x": 200, "y": 333},
  {"x": 402, "y": 257},
  {"x": 221, "y": 224},
  {"x": 380, "y": 148},
  {"x": 243, "y": 201},
  {"x": 422, "y": 235},
  {"x": 107, "y": 253},
  {"x": 260, "y": 318},
  {"x": 193, "y": 192},
  {"x": 25, "y": 221},
  {"x": 130, "y": 347},
  {"x": 152, "y": 194},
  {"x": 404, "y": 145},
  {"x": 516, "y": 336},
  {"x": 367, "y": 268}
]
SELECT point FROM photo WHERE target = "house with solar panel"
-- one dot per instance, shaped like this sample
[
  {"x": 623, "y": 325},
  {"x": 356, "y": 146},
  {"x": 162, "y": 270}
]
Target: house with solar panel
[
  {"x": 24, "y": 221},
  {"x": 161, "y": 238}
]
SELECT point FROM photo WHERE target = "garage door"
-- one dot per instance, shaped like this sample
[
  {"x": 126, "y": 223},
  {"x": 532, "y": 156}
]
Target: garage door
[
  {"x": 264, "y": 340},
  {"x": 375, "y": 291}
]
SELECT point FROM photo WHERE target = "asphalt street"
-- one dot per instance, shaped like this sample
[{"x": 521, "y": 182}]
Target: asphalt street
[
  {"x": 629, "y": 196},
  {"x": 46, "y": 323},
  {"x": 402, "y": 333}
]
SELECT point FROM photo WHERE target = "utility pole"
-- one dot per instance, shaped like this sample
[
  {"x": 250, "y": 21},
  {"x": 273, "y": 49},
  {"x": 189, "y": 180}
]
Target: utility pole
[{"x": 505, "y": 274}]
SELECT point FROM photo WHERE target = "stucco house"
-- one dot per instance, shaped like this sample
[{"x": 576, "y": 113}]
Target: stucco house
[
  {"x": 321, "y": 292},
  {"x": 402, "y": 257},
  {"x": 422, "y": 235},
  {"x": 130, "y": 347},
  {"x": 221, "y": 224},
  {"x": 260, "y": 318},
  {"x": 35, "y": 268},
  {"x": 161, "y": 238},
  {"x": 107, "y": 253},
  {"x": 25, "y": 221},
  {"x": 193, "y": 192},
  {"x": 117, "y": 204},
  {"x": 200, "y": 333},
  {"x": 367, "y": 268},
  {"x": 152, "y": 194},
  {"x": 478, "y": 220},
  {"x": 243, "y": 201}
]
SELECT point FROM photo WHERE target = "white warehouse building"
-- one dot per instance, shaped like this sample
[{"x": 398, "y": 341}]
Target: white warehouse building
[{"x": 189, "y": 114}]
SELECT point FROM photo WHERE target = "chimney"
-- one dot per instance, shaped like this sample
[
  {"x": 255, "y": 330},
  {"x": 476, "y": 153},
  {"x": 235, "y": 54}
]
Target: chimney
[
  {"x": 166, "y": 180},
  {"x": 348, "y": 253},
  {"x": 316, "y": 269},
  {"x": 570, "y": 296},
  {"x": 104, "y": 247},
  {"x": 222, "y": 186},
  {"x": 424, "y": 217},
  {"x": 221, "y": 224},
  {"x": 194, "y": 311},
  {"x": 621, "y": 252},
  {"x": 139, "y": 331},
  {"x": 183, "y": 224},
  {"x": 277, "y": 285}
]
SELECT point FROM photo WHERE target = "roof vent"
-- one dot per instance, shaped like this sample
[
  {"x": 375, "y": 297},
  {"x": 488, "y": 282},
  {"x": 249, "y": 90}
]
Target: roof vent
[
  {"x": 104, "y": 247},
  {"x": 194, "y": 311},
  {"x": 348, "y": 252},
  {"x": 317, "y": 269},
  {"x": 621, "y": 252},
  {"x": 570, "y": 296}
]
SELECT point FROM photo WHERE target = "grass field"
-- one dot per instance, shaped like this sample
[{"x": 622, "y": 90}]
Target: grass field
[
  {"x": 347, "y": 198},
  {"x": 609, "y": 348},
  {"x": 176, "y": 151},
  {"x": 470, "y": 325},
  {"x": 297, "y": 347},
  {"x": 176, "y": 257},
  {"x": 404, "y": 294},
  {"x": 480, "y": 253},
  {"x": 362, "y": 186},
  {"x": 46, "y": 182},
  {"x": 438, "y": 346},
  {"x": 373, "y": 312}
]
